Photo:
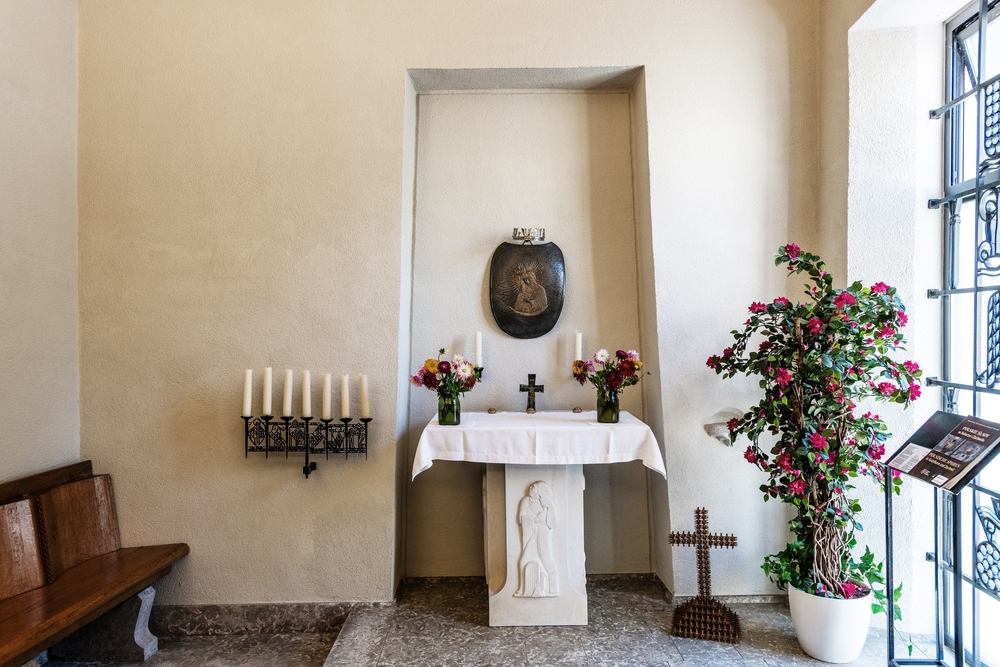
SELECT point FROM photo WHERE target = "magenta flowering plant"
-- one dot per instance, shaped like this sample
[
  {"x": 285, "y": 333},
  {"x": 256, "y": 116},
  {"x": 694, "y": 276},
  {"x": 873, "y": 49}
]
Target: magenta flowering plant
[
  {"x": 816, "y": 361},
  {"x": 447, "y": 378}
]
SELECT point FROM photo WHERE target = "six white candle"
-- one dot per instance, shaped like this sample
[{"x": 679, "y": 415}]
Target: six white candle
[
  {"x": 578, "y": 348},
  {"x": 479, "y": 349},
  {"x": 345, "y": 397},
  {"x": 248, "y": 393},
  {"x": 326, "y": 395},
  {"x": 286, "y": 404},
  {"x": 267, "y": 392},
  {"x": 306, "y": 395}
]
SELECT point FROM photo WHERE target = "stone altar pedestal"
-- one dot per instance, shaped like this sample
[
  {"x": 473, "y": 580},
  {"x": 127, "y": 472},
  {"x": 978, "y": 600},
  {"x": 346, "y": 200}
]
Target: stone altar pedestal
[{"x": 533, "y": 501}]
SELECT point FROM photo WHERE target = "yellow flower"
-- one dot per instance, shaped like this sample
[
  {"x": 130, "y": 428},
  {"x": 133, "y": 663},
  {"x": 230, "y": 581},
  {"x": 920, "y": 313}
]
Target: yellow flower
[
  {"x": 577, "y": 367},
  {"x": 431, "y": 365},
  {"x": 638, "y": 364}
]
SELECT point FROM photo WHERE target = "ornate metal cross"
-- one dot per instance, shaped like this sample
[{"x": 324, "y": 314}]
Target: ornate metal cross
[
  {"x": 531, "y": 388},
  {"x": 703, "y": 541}
]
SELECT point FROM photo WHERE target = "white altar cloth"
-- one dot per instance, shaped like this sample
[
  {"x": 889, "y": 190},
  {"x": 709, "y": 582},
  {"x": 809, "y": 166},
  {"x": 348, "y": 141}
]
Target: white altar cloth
[{"x": 544, "y": 438}]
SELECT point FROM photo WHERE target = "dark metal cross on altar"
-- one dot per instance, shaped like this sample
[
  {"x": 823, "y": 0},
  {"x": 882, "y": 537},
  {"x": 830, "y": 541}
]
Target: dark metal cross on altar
[
  {"x": 703, "y": 541},
  {"x": 531, "y": 388}
]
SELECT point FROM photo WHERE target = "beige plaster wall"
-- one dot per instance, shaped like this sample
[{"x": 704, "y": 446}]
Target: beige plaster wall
[
  {"x": 39, "y": 330},
  {"x": 486, "y": 163},
  {"x": 241, "y": 167}
]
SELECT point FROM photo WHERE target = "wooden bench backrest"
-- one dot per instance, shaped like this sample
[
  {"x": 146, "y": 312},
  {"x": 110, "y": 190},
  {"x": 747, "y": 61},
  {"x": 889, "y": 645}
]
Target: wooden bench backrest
[
  {"x": 77, "y": 522},
  {"x": 20, "y": 553}
]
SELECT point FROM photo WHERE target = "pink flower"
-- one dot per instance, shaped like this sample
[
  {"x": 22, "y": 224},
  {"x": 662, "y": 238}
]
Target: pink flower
[
  {"x": 895, "y": 473},
  {"x": 911, "y": 366},
  {"x": 877, "y": 451},
  {"x": 914, "y": 391},
  {"x": 903, "y": 319},
  {"x": 792, "y": 250},
  {"x": 416, "y": 380},
  {"x": 849, "y": 588},
  {"x": 749, "y": 455},
  {"x": 887, "y": 332},
  {"x": 815, "y": 325},
  {"x": 758, "y": 307},
  {"x": 781, "y": 301},
  {"x": 784, "y": 462},
  {"x": 844, "y": 299},
  {"x": 727, "y": 352},
  {"x": 818, "y": 441},
  {"x": 782, "y": 376},
  {"x": 733, "y": 424},
  {"x": 880, "y": 288},
  {"x": 797, "y": 486},
  {"x": 886, "y": 388}
]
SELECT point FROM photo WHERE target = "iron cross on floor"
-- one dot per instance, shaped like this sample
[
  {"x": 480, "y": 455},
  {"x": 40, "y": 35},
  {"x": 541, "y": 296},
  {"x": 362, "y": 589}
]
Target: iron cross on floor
[{"x": 531, "y": 388}]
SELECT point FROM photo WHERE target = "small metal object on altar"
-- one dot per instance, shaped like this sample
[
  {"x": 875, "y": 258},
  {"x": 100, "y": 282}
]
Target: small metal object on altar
[
  {"x": 527, "y": 284},
  {"x": 492, "y": 411},
  {"x": 531, "y": 388},
  {"x": 704, "y": 617},
  {"x": 577, "y": 410}
]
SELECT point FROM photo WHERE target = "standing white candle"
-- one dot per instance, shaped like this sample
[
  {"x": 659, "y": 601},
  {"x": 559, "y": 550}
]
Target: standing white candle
[
  {"x": 578, "y": 348},
  {"x": 286, "y": 403},
  {"x": 363, "y": 382},
  {"x": 247, "y": 392},
  {"x": 479, "y": 349},
  {"x": 306, "y": 395},
  {"x": 345, "y": 397},
  {"x": 327, "y": 380},
  {"x": 267, "y": 391}
]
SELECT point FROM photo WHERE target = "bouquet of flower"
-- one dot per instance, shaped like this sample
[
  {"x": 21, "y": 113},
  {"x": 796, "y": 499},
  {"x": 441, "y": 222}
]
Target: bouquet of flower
[
  {"x": 816, "y": 361},
  {"x": 447, "y": 378},
  {"x": 613, "y": 375}
]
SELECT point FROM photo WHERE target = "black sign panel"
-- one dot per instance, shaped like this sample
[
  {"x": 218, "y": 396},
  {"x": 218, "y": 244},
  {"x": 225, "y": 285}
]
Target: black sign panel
[{"x": 527, "y": 288}]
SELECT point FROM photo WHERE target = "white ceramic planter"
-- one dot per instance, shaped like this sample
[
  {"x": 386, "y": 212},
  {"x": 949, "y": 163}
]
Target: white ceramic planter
[{"x": 828, "y": 629}]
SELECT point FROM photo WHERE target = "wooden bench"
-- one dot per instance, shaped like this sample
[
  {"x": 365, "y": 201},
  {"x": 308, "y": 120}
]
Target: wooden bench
[{"x": 65, "y": 582}]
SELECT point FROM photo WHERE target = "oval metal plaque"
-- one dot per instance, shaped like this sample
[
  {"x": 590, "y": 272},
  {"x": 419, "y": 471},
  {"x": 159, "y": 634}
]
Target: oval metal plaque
[{"x": 527, "y": 288}]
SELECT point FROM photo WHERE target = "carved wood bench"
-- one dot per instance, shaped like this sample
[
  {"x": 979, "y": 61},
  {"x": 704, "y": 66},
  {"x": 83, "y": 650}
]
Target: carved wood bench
[{"x": 66, "y": 584}]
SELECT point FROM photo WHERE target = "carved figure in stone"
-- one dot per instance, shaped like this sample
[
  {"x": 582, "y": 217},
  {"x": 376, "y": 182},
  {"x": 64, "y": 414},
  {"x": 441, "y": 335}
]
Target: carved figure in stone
[
  {"x": 536, "y": 569},
  {"x": 531, "y": 299}
]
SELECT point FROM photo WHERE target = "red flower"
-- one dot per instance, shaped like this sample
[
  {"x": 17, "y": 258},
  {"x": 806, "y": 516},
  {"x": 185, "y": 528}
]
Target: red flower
[
  {"x": 911, "y": 366},
  {"x": 784, "y": 462},
  {"x": 887, "y": 332},
  {"x": 903, "y": 319},
  {"x": 815, "y": 325},
  {"x": 818, "y": 441},
  {"x": 758, "y": 307},
  {"x": 733, "y": 424},
  {"x": 713, "y": 362},
  {"x": 797, "y": 486},
  {"x": 621, "y": 354},
  {"x": 880, "y": 288},
  {"x": 886, "y": 388},
  {"x": 792, "y": 250},
  {"x": 764, "y": 345},
  {"x": 430, "y": 379},
  {"x": 749, "y": 455},
  {"x": 849, "y": 588},
  {"x": 781, "y": 301},
  {"x": 914, "y": 391},
  {"x": 844, "y": 299},
  {"x": 782, "y": 376},
  {"x": 444, "y": 367}
]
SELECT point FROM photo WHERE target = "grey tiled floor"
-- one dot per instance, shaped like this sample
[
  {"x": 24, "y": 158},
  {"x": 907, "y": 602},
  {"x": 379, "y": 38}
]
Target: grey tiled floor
[{"x": 445, "y": 622}]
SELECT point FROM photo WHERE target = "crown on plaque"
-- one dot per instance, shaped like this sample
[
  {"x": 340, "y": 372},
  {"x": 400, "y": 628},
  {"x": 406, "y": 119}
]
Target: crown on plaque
[{"x": 529, "y": 234}]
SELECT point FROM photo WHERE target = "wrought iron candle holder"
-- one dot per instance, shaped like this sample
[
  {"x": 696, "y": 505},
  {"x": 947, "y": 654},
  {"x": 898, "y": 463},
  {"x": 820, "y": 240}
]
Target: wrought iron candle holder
[{"x": 288, "y": 435}]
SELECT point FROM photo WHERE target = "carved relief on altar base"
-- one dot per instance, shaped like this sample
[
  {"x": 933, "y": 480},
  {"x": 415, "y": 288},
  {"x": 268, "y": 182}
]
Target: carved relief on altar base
[{"x": 535, "y": 565}]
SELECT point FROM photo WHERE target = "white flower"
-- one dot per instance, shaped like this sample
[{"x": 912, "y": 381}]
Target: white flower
[
  {"x": 464, "y": 370},
  {"x": 602, "y": 356},
  {"x": 457, "y": 360}
]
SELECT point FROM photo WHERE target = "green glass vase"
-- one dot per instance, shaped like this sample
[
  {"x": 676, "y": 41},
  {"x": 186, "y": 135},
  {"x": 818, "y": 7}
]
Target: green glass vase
[
  {"x": 449, "y": 410},
  {"x": 607, "y": 407}
]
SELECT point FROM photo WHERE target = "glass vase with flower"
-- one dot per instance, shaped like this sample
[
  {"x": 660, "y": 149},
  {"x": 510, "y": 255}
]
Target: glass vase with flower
[
  {"x": 609, "y": 375},
  {"x": 450, "y": 379}
]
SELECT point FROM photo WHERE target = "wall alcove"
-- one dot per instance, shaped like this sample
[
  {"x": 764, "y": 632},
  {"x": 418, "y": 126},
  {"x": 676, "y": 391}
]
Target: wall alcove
[{"x": 488, "y": 150}]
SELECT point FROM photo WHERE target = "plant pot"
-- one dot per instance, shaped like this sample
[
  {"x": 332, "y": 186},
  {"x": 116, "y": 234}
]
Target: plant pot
[
  {"x": 607, "y": 407},
  {"x": 449, "y": 410},
  {"x": 828, "y": 629}
]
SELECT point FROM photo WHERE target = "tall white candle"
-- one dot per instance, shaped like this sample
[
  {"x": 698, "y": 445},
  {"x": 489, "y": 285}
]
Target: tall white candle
[
  {"x": 247, "y": 392},
  {"x": 578, "y": 348},
  {"x": 479, "y": 349},
  {"x": 327, "y": 380},
  {"x": 306, "y": 395},
  {"x": 267, "y": 391},
  {"x": 363, "y": 382},
  {"x": 286, "y": 404},
  {"x": 345, "y": 397}
]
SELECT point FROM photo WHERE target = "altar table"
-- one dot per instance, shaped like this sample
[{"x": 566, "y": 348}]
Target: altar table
[{"x": 533, "y": 501}]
